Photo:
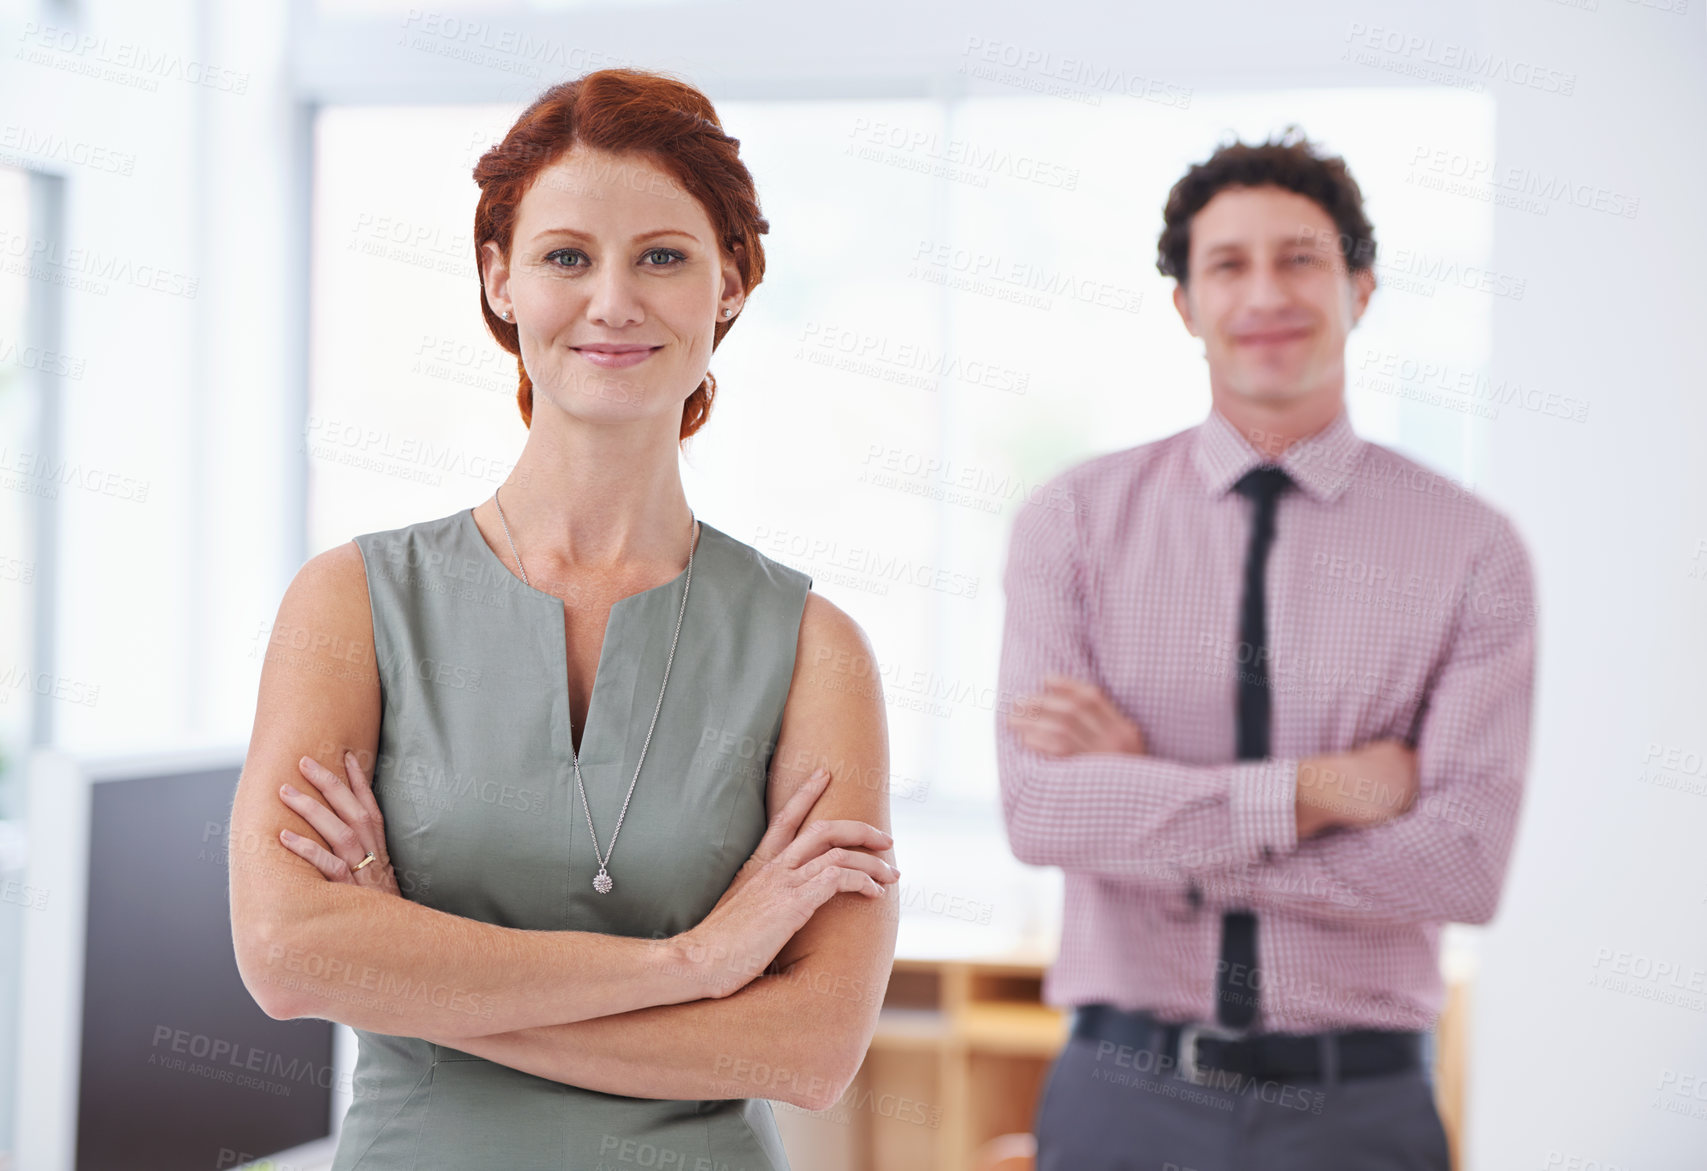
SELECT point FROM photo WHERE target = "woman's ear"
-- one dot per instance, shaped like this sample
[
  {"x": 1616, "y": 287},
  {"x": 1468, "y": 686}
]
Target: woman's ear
[
  {"x": 495, "y": 276},
  {"x": 734, "y": 289}
]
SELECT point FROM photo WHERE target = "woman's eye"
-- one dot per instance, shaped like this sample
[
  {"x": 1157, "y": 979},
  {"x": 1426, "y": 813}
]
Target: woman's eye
[{"x": 575, "y": 258}]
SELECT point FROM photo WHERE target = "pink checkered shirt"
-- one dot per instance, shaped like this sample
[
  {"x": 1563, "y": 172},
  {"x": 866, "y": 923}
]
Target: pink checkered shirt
[{"x": 1399, "y": 606}]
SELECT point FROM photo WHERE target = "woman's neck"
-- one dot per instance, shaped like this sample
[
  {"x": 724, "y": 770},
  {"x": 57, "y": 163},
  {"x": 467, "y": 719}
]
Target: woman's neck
[{"x": 598, "y": 497}]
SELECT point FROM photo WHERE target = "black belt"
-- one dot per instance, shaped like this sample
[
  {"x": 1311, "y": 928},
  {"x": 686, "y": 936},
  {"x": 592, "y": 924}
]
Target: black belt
[{"x": 1274, "y": 1056}]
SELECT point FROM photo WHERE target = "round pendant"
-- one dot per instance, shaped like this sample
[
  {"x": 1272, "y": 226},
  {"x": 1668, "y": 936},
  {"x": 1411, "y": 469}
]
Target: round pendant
[{"x": 602, "y": 882}]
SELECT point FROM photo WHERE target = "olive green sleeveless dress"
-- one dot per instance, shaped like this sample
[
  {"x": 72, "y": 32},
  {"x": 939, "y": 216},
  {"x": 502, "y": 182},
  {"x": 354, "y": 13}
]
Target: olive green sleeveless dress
[{"x": 483, "y": 820}]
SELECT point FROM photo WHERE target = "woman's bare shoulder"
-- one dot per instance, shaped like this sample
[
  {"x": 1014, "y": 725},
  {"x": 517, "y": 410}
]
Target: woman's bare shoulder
[
  {"x": 320, "y": 659},
  {"x": 827, "y": 623},
  {"x": 337, "y": 575},
  {"x": 832, "y": 645},
  {"x": 324, "y": 614}
]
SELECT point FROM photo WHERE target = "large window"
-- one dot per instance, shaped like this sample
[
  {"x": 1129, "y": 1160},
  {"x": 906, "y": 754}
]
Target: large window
[{"x": 961, "y": 300}]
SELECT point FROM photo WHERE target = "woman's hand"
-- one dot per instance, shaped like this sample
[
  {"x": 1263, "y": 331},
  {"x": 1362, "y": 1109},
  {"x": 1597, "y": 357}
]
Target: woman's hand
[
  {"x": 790, "y": 875},
  {"x": 352, "y": 826}
]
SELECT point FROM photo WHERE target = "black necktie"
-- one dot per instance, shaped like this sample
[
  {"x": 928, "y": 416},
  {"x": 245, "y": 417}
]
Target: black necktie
[{"x": 1237, "y": 984}]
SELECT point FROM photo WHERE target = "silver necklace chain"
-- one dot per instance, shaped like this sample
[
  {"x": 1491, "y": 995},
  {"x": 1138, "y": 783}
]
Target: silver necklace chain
[{"x": 602, "y": 880}]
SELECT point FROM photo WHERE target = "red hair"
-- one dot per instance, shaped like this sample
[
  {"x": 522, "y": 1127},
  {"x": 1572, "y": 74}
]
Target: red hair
[{"x": 623, "y": 111}]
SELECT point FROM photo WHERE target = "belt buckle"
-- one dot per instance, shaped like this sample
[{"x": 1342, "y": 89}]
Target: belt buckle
[{"x": 1188, "y": 1035}]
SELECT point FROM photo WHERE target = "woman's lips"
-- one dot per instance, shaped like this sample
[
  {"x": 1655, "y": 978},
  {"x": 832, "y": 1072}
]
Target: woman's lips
[{"x": 621, "y": 360}]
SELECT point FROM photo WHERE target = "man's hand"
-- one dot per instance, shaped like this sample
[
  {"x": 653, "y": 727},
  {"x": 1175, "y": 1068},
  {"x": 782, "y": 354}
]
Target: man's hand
[
  {"x": 1071, "y": 716},
  {"x": 1356, "y": 789}
]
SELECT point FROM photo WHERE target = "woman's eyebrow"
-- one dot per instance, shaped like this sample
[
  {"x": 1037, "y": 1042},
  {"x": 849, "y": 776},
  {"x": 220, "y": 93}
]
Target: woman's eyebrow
[{"x": 577, "y": 234}]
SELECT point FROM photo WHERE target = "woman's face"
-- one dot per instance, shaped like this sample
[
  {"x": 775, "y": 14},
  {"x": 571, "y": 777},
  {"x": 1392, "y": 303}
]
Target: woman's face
[{"x": 615, "y": 281}]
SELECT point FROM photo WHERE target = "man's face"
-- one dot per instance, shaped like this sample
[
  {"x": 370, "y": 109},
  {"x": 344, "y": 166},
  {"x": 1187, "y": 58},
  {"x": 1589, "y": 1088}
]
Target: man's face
[{"x": 1269, "y": 293}]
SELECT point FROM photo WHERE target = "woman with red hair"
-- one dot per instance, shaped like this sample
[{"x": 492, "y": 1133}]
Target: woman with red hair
[{"x": 591, "y": 846}]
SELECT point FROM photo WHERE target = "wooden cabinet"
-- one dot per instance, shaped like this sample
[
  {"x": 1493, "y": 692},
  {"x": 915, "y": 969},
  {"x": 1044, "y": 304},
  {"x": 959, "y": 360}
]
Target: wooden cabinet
[
  {"x": 971, "y": 1040},
  {"x": 960, "y": 1055}
]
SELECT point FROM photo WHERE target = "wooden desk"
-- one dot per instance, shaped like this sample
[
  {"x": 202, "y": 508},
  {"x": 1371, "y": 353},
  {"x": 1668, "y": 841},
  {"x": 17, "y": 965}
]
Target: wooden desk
[{"x": 960, "y": 1055}]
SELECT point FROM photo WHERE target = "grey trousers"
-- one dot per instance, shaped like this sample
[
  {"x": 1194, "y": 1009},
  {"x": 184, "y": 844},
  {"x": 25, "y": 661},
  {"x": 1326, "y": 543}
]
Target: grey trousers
[{"x": 1112, "y": 1108}]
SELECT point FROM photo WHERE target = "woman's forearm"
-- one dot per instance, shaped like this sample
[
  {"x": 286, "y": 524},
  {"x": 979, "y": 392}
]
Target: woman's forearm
[
  {"x": 388, "y": 965},
  {"x": 797, "y": 1037}
]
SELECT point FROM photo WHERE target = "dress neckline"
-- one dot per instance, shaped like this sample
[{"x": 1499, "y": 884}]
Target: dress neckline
[
  {"x": 480, "y": 540},
  {"x": 594, "y": 733}
]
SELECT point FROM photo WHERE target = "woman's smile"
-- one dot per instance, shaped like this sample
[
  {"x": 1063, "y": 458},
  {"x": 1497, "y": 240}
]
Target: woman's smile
[{"x": 615, "y": 357}]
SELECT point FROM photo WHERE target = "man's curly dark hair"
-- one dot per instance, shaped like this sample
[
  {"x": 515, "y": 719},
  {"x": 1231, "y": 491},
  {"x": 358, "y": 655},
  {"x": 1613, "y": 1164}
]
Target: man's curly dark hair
[{"x": 1291, "y": 162}]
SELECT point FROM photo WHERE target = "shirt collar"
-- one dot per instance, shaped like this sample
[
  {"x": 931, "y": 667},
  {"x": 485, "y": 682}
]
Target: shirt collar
[{"x": 1322, "y": 464}]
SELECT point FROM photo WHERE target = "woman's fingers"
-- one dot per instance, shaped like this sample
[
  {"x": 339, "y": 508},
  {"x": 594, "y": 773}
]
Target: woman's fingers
[
  {"x": 362, "y": 786},
  {"x": 821, "y": 835},
  {"x": 343, "y": 801},
  {"x": 338, "y": 835},
  {"x": 869, "y": 864},
  {"x": 832, "y": 882},
  {"x": 328, "y": 864}
]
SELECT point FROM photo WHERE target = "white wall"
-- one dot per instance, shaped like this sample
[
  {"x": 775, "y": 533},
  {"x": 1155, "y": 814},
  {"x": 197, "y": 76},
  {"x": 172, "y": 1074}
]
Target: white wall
[{"x": 1615, "y": 513}]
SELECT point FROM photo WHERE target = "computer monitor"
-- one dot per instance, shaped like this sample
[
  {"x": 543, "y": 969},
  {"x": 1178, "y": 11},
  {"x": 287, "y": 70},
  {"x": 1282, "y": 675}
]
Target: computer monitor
[{"x": 140, "y": 1048}]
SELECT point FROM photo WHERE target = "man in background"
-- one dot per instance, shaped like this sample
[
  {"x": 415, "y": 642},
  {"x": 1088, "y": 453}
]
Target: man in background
[{"x": 1274, "y": 722}]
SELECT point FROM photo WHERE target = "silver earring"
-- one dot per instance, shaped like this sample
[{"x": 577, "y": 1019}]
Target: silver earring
[
  {"x": 728, "y": 313},
  {"x": 506, "y": 315}
]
